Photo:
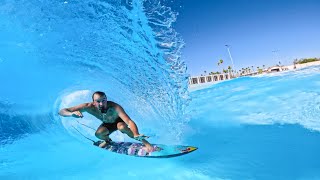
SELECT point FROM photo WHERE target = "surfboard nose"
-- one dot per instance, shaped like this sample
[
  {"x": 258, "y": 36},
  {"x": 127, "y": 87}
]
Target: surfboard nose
[{"x": 191, "y": 148}]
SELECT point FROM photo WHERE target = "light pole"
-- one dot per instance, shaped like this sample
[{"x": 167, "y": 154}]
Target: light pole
[{"x": 228, "y": 48}]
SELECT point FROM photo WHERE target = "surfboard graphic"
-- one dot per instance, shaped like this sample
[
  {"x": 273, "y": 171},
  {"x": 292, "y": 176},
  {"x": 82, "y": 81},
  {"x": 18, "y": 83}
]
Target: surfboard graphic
[{"x": 137, "y": 149}]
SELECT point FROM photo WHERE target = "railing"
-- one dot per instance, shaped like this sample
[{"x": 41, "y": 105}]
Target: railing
[{"x": 209, "y": 78}]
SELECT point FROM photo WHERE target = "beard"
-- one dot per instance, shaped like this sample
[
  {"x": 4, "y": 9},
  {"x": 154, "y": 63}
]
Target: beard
[{"x": 103, "y": 109}]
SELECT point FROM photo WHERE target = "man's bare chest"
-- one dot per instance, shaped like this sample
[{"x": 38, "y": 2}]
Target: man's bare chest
[{"x": 109, "y": 117}]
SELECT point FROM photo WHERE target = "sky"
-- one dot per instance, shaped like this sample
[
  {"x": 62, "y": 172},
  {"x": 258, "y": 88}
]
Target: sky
[{"x": 259, "y": 32}]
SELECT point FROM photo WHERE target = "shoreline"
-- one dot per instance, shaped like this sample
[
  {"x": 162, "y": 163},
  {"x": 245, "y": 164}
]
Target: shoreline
[{"x": 199, "y": 86}]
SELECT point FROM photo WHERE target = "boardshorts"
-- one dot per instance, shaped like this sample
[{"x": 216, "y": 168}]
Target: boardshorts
[{"x": 112, "y": 126}]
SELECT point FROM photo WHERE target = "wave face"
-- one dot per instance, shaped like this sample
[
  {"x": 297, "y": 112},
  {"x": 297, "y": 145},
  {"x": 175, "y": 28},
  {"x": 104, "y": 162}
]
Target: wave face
[
  {"x": 52, "y": 49},
  {"x": 56, "y": 53}
]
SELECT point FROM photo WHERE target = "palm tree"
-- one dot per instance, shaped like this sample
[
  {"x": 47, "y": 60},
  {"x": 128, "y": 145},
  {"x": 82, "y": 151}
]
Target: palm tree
[
  {"x": 221, "y": 62},
  {"x": 229, "y": 69}
]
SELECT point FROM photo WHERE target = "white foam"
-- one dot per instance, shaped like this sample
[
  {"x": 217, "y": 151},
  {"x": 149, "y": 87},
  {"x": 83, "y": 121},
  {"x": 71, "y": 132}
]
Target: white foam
[
  {"x": 294, "y": 108},
  {"x": 73, "y": 99}
]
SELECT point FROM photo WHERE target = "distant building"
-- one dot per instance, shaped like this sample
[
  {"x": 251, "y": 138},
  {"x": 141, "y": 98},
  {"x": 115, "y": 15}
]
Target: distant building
[
  {"x": 208, "y": 78},
  {"x": 275, "y": 69}
]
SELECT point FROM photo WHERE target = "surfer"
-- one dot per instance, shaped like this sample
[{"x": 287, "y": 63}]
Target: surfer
[{"x": 113, "y": 118}]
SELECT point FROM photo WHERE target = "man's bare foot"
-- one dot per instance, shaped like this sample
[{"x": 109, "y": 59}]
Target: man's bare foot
[
  {"x": 105, "y": 143},
  {"x": 148, "y": 148}
]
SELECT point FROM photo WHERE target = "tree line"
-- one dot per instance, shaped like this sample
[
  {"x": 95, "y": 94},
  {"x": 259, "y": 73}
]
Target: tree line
[
  {"x": 305, "y": 60},
  {"x": 251, "y": 69},
  {"x": 229, "y": 69}
]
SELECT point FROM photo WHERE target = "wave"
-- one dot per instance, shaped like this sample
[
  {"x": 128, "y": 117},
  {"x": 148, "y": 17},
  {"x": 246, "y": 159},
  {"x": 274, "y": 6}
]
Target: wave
[{"x": 126, "y": 48}]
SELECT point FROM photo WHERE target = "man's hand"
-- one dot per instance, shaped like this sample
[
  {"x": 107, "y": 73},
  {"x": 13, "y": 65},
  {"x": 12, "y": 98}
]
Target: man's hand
[
  {"x": 77, "y": 114},
  {"x": 140, "y": 137},
  {"x": 149, "y": 148}
]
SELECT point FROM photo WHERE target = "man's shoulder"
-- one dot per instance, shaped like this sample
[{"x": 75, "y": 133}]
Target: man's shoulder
[
  {"x": 111, "y": 103},
  {"x": 115, "y": 105},
  {"x": 88, "y": 105}
]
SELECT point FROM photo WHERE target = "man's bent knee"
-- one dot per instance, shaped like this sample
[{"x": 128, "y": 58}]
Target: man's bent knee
[
  {"x": 122, "y": 126},
  {"x": 102, "y": 134},
  {"x": 124, "y": 129}
]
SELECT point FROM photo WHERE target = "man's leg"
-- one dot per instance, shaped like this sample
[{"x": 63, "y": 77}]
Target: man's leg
[
  {"x": 103, "y": 134},
  {"x": 123, "y": 127}
]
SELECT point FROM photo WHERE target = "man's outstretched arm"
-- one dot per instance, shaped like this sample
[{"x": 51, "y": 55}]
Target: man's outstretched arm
[{"x": 75, "y": 111}]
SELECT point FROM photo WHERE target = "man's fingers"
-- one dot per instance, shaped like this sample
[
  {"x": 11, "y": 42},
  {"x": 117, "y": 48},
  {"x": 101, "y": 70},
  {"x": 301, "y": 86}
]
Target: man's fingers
[
  {"x": 144, "y": 136},
  {"x": 78, "y": 114},
  {"x": 141, "y": 137}
]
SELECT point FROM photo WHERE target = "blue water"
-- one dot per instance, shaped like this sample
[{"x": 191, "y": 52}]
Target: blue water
[{"x": 55, "y": 54}]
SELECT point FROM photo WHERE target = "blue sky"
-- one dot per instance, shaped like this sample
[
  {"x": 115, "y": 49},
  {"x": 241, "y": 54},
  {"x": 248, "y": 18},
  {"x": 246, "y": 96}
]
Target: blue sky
[{"x": 253, "y": 28}]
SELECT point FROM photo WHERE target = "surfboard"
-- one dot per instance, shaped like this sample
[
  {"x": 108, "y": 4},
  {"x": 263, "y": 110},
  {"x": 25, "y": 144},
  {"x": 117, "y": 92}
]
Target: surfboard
[{"x": 138, "y": 150}]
